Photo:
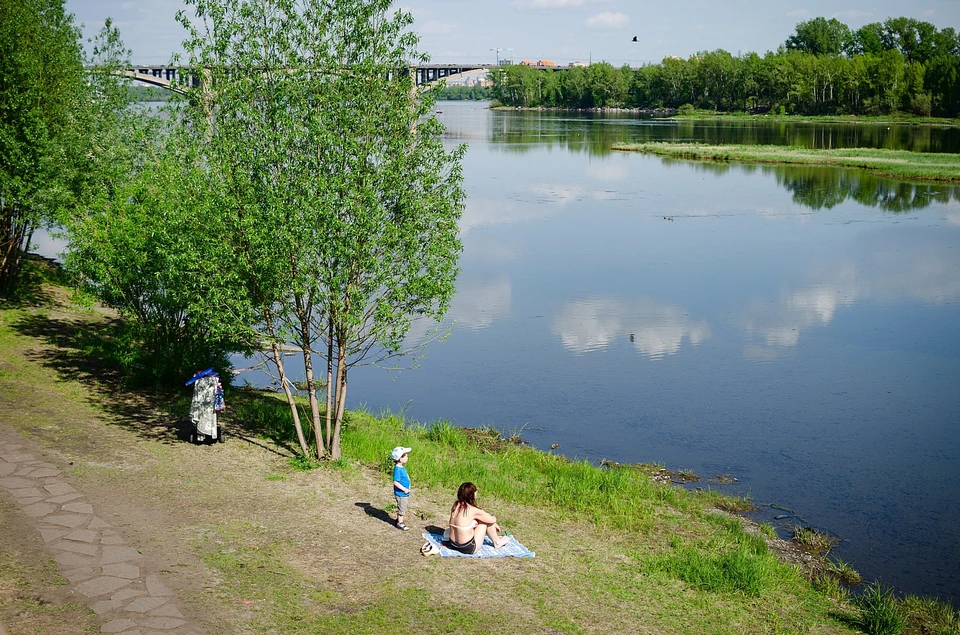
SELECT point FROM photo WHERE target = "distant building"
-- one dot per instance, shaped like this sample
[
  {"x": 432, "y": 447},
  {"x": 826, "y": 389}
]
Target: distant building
[
  {"x": 579, "y": 64},
  {"x": 539, "y": 63}
]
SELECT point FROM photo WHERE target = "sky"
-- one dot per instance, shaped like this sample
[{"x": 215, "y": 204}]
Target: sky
[{"x": 563, "y": 31}]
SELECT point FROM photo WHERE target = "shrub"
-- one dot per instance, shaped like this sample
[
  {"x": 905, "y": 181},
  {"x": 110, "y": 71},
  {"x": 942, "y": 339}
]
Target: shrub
[
  {"x": 686, "y": 109},
  {"x": 921, "y": 104},
  {"x": 879, "y": 613}
]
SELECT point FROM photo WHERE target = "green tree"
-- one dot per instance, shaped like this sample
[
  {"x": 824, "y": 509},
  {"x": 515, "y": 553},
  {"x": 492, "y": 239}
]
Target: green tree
[
  {"x": 42, "y": 94},
  {"x": 868, "y": 39},
  {"x": 820, "y": 36},
  {"x": 339, "y": 203}
]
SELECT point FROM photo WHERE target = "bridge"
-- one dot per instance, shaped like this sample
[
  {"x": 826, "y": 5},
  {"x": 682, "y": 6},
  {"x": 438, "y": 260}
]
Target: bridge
[{"x": 164, "y": 76}]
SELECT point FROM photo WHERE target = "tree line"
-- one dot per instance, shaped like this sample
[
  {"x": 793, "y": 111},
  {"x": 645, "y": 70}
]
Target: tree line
[
  {"x": 298, "y": 207},
  {"x": 824, "y": 68}
]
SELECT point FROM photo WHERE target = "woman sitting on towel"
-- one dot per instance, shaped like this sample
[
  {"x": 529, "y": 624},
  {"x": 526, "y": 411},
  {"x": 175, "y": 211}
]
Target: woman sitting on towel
[{"x": 469, "y": 523}]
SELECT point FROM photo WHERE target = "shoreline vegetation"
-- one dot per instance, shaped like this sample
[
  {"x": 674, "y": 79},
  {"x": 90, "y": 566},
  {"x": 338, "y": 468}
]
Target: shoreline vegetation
[
  {"x": 616, "y": 545},
  {"x": 898, "y": 164},
  {"x": 899, "y": 119},
  {"x": 824, "y": 68}
]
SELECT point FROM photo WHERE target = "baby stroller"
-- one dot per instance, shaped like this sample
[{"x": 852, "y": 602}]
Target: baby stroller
[{"x": 206, "y": 403}]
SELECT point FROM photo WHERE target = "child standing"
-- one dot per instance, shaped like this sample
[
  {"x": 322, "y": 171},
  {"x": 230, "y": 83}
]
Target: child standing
[{"x": 401, "y": 483}]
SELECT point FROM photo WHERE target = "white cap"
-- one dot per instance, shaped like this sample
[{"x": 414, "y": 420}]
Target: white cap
[{"x": 398, "y": 452}]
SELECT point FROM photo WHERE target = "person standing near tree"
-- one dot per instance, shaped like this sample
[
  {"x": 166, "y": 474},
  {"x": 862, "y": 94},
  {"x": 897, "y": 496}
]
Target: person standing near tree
[{"x": 401, "y": 483}]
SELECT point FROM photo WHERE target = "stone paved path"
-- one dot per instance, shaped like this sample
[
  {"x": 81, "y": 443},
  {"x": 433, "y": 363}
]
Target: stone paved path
[{"x": 104, "y": 572}]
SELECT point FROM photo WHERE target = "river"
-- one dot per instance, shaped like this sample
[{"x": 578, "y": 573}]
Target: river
[{"x": 796, "y": 328}]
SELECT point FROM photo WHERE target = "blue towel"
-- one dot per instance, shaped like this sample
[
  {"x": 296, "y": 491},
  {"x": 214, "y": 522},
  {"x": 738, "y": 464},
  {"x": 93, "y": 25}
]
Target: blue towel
[{"x": 512, "y": 549}]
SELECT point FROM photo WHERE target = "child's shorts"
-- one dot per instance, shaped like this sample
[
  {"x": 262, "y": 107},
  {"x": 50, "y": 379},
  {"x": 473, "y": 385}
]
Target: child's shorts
[{"x": 402, "y": 504}]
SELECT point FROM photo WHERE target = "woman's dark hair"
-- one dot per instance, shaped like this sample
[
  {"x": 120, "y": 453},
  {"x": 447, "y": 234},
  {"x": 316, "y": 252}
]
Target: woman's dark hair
[{"x": 466, "y": 495}]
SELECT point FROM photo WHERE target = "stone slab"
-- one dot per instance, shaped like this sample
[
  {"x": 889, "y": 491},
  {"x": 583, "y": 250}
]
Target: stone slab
[
  {"x": 44, "y": 472},
  {"x": 64, "y": 498},
  {"x": 16, "y": 482},
  {"x": 105, "y": 606},
  {"x": 122, "y": 570},
  {"x": 101, "y": 585},
  {"x": 74, "y": 560},
  {"x": 49, "y": 534},
  {"x": 167, "y": 610},
  {"x": 162, "y": 623},
  {"x": 67, "y": 520},
  {"x": 144, "y": 604},
  {"x": 116, "y": 553},
  {"x": 80, "y": 574},
  {"x": 39, "y": 510},
  {"x": 75, "y": 547},
  {"x": 6, "y": 469},
  {"x": 118, "y": 626},
  {"x": 82, "y": 535},
  {"x": 126, "y": 594},
  {"x": 157, "y": 588},
  {"x": 58, "y": 489},
  {"x": 79, "y": 508},
  {"x": 16, "y": 457}
]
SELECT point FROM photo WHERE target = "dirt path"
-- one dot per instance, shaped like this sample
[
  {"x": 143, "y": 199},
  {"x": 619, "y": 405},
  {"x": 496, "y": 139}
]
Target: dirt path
[{"x": 118, "y": 582}]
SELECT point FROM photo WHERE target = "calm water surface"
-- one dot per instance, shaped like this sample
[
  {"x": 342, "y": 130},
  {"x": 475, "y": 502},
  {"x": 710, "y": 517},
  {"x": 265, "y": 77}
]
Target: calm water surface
[{"x": 797, "y": 328}]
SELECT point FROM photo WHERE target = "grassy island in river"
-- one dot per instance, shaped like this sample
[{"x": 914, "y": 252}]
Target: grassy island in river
[{"x": 900, "y": 164}]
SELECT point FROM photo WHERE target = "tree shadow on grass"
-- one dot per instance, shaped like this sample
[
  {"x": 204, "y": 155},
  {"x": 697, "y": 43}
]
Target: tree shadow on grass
[
  {"x": 30, "y": 289},
  {"x": 91, "y": 352}
]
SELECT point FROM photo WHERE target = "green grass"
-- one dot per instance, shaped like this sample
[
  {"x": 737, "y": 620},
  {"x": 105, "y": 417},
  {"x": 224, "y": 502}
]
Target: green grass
[
  {"x": 280, "y": 599},
  {"x": 881, "y": 614},
  {"x": 813, "y": 539},
  {"x": 900, "y": 164},
  {"x": 898, "y": 118}
]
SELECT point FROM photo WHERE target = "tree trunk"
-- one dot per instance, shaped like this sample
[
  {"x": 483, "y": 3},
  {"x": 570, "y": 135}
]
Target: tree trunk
[
  {"x": 278, "y": 360},
  {"x": 329, "y": 412},
  {"x": 340, "y": 401},
  {"x": 303, "y": 314}
]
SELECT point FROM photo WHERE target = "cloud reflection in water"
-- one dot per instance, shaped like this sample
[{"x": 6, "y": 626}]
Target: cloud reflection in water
[{"x": 655, "y": 329}]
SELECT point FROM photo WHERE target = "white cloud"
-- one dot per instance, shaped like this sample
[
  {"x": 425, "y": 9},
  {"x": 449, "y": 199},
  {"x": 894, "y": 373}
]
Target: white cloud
[
  {"x": 929, "y": 13},
  {"x": 653, "y": 328},
  {"x": 798, "y": 13},
  {"x": 608, "y": 20},
  {"x": 954, "y": 218}
]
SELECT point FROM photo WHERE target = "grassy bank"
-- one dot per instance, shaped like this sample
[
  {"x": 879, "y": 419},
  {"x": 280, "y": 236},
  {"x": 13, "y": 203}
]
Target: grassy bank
[
  {"x": 256, "y": 539},
  {"x": 897, "y": 164},
  {"x": 903, "y": 119}
]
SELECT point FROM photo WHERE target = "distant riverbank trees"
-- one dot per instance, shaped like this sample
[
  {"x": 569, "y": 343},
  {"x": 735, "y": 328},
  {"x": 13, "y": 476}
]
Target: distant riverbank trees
[{"x": 824, "y": 68}]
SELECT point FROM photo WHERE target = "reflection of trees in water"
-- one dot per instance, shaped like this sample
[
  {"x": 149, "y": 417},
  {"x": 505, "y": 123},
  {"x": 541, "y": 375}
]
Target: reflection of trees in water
[
  {"x": 825, "y": 188},
  {"x": 820, "y": 187},
  {"x": 595, "y": 133}
]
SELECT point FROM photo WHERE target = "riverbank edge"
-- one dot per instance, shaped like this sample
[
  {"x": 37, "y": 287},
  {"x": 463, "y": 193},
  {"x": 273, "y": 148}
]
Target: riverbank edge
[
  {"x": 368, "y": 437},
  {"x": 673, "y": 113},
  {"x": 895, "y": 164}
]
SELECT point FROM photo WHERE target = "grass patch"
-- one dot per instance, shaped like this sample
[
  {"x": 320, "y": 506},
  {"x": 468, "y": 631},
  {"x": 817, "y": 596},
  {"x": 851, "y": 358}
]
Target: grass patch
[
  {"x": 813, "y": 539},
  {"x": 280, "y": 599},
  {"x": 719, "y": 567},
  {"x": 843, "y": 572},
  {"x": 899, "y": 164},
  {"x": 929, "y": 616},
  {"x": 880, "y": 613},
  {"x": 897, "y": 118}
]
